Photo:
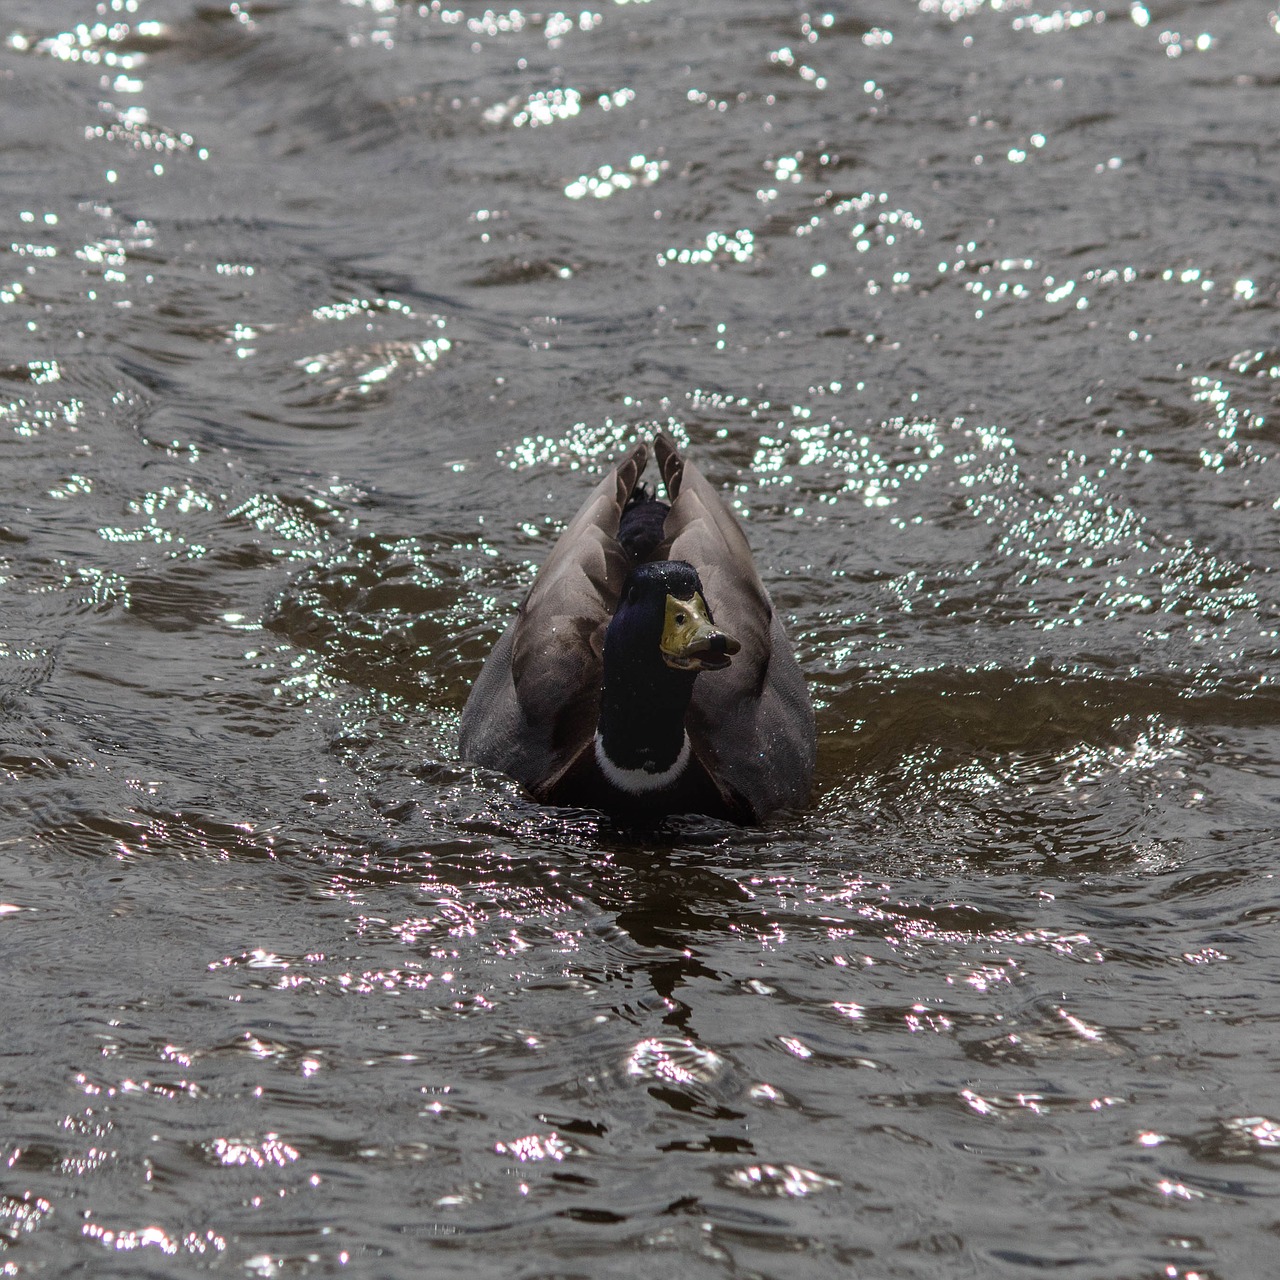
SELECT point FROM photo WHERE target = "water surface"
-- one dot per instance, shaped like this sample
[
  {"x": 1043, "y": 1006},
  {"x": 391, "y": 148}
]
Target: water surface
[{"x": 318, "y": 320}]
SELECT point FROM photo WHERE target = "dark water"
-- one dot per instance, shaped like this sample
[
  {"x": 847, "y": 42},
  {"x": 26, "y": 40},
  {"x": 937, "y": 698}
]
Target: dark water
[{"x": 317, "y": 319}]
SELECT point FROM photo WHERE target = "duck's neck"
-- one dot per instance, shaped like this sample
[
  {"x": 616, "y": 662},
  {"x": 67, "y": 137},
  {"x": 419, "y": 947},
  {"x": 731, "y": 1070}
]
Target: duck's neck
[{"x": 642, "y": 710}]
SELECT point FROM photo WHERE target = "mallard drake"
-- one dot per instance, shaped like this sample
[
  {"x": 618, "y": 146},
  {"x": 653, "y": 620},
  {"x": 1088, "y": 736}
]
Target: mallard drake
[{"x": 646, "y": 671}]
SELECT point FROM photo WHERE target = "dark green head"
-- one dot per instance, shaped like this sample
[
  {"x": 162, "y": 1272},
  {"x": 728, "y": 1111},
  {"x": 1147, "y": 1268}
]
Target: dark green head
[{"x": 663, "y": 616}]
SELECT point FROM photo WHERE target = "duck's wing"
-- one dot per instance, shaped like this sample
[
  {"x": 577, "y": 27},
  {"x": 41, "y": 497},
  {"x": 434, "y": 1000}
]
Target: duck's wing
[
  {"x": 535, "y": 704},
  {"x": 751, "y": 724}
]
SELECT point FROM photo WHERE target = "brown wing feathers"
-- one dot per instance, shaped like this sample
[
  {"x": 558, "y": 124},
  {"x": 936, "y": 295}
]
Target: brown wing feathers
[
  {"x": 752, "y": 724},
  {"x": 556, "y": 656}
]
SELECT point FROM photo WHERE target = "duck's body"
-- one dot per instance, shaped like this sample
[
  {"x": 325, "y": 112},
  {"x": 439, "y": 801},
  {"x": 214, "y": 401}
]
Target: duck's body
[{"x": 615, "y": 688}]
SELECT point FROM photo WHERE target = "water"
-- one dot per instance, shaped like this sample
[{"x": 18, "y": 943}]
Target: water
[{"x": 318, "y": 319}]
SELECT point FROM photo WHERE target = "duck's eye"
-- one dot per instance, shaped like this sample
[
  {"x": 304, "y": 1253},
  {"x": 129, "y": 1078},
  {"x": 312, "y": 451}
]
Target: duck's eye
[
  {"x": 681, "y": 619},
  {"x": 632, "y": 595}
]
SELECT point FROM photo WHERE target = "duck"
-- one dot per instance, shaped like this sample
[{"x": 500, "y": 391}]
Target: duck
[{"x": 647, "y": 673}]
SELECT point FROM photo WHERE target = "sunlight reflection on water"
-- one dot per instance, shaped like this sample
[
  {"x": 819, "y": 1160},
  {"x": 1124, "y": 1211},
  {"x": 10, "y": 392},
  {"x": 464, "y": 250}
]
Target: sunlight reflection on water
[{"x": 321, "y": 320}]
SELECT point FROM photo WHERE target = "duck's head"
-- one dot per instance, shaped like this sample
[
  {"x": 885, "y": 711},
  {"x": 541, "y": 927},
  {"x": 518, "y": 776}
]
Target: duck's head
[{"x": 663, "y": 612}]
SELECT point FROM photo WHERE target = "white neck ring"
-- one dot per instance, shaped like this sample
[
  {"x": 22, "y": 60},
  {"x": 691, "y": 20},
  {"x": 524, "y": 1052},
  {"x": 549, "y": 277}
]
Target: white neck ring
[{"x": 638, "y": 782}]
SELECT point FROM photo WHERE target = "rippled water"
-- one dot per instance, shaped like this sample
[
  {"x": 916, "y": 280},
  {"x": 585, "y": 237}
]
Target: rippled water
[{"x": 318, "y": 319}]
